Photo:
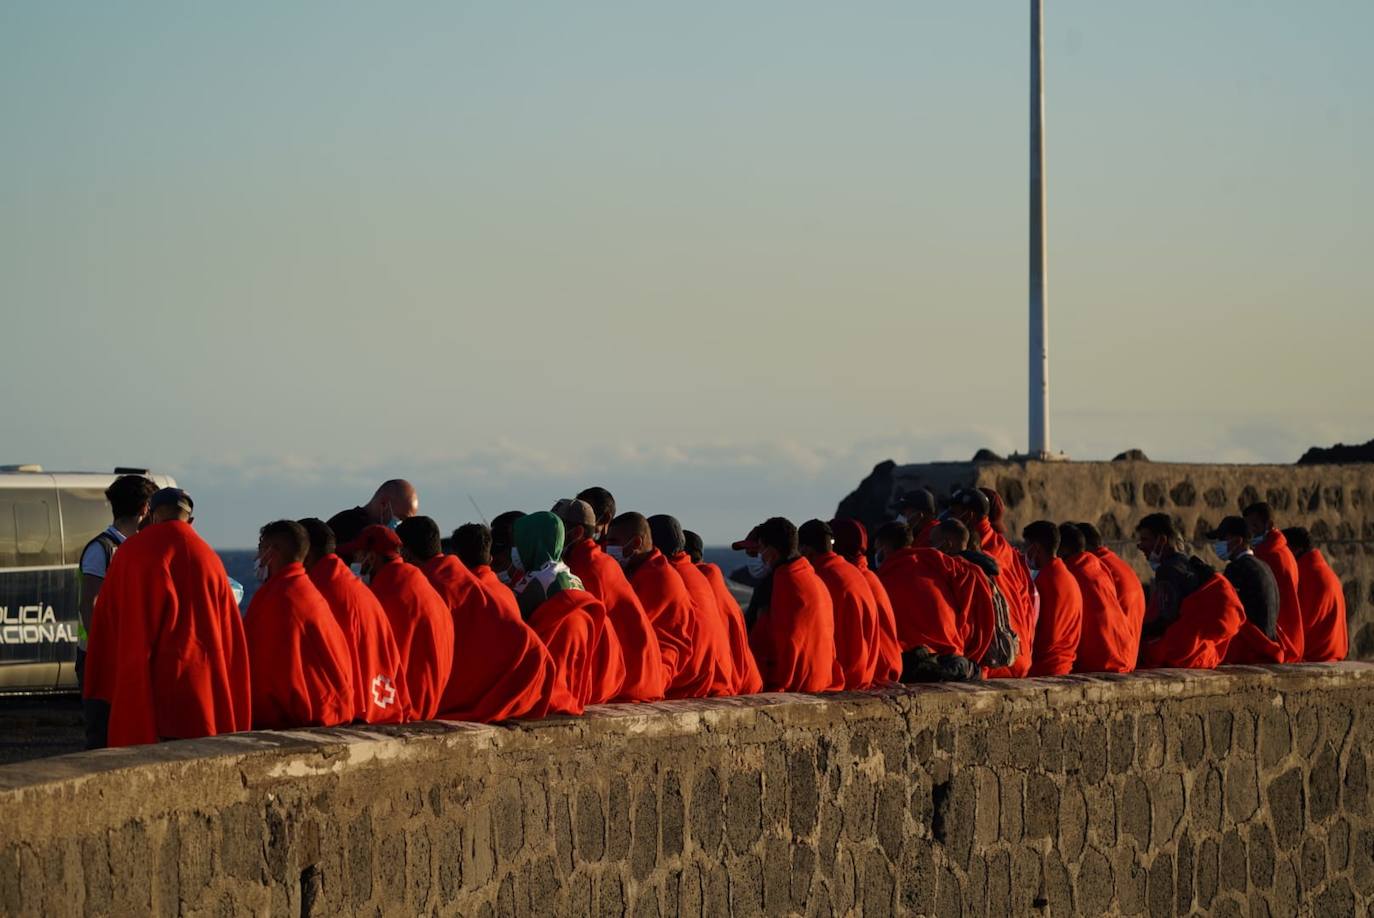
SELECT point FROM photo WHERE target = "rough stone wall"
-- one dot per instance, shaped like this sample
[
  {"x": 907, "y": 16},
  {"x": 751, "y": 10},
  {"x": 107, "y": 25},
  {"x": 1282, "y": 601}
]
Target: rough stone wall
[
  {"x": 1235, "y": 792},
  {"x": 1334, "y": 502}
]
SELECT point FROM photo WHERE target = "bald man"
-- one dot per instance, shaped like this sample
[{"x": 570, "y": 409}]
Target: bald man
[{"x": 394, "y": 501}]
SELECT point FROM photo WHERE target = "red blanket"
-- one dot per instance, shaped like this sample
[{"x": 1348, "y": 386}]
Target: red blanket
[
  {"x": 1060, "y": 626},
  {"x": 794, "y": 638},
  {"x": 1107, "y": 645},
  {"x": 567, "y": 624},
  {"x": 423, "y": 628},
  {"x": 1130, "y": 595},
  {"x": 857, "y": 647},
  {"x": 1323, "y": 610},
  {"x": 1019, "y": 591},
  {"x": 747, "y": 678},
  {"x": 917, "y": 583},
  {"x": 604, "y": 578},
  {"x": 712, "y": 629},
  {"x": 669, "y": 607},
  {"x": 301, "y": 673},
  {"x": 379, "y": 688},
  {"x": 166, "y": 647},
  {"x": 1274, "y": 552},
  {"x": 889, "y": 648},
  {"x": 1208, "y": 618},
  {"x": 501, "y": 670}
]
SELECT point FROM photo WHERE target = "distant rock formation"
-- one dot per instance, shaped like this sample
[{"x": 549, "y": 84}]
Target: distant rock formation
[
  {"x": 987, "y": 455},
  {"x": 1131, "y": 455},
  {"x": 1338, "y": 454}
]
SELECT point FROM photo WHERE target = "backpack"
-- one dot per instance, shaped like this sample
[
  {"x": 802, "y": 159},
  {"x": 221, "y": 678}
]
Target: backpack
[
  {"x": 106, "y": 542},
  {"x": 1005, "y": 646}
]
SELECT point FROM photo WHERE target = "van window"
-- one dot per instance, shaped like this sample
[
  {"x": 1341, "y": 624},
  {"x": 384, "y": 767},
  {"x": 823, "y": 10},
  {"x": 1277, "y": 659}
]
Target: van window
[
  {"x": 85, "y": 515},
  {"x": 29, "y": 534}
]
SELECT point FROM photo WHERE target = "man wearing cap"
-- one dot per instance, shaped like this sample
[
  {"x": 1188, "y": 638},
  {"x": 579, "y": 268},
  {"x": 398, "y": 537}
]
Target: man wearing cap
[
  {"x": 1130, "y": 592},
  {"x": 710, "y": 630},
  {"x": 972, "y": 507},
  {"x": 501, "y": 670},
  {"x": 746, "y": 670},
  {"x": 1105, "y": 645},
  {"x": 166, "y": 648},
  {"x": 793, "y": 638},
  {"x": 1271, "y": 547},
  {"x": 666, "y": 602},
  {"x": 379, "y": 689},
  {"x": 570, "y": 621},
  {"x": 1324, "y": 636},
  {"x": 851, "y": 543},
  {"x": 932, "y": 595},
  {"x": 917, "y": 509},
  {"x": 1257, "y": 639},
  {"x": 419, "y": 617},
  {"x": 857, "y": 646},
  {"x": 1060, "y": 625},
  {"x": 1194, "y": 612},
  {"x": 393, "y": 501},
  {"x": 605, "y": 579},
  {"x": 301, "y": 672}
]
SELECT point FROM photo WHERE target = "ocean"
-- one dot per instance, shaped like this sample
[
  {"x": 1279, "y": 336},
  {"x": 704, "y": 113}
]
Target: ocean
[{"x": 239, "y": 565}]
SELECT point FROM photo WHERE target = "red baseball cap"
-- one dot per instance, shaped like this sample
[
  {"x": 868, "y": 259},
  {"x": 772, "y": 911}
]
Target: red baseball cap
[
  {"x": 749, "y": 542},
  {"x": 376, "y": 538}
]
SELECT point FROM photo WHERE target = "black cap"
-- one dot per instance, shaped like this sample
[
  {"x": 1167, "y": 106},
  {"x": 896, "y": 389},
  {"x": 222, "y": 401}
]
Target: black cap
[
  {"x": 970, "y": 499},
  {"x": 920, "y": 500},
  {"x": 172, "y": 497},
  {"x": 1231, "y": 526}
]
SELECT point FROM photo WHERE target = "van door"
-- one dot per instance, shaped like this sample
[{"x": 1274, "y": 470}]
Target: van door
[{"x": 34, "y": 584}]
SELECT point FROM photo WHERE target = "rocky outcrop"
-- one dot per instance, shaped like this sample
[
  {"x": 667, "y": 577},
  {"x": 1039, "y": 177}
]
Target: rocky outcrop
[{"x": 1340, "y": 453}]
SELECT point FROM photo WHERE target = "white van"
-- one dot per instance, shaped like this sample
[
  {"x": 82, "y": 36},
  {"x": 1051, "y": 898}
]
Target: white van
[{"x": 46, "y": 519}]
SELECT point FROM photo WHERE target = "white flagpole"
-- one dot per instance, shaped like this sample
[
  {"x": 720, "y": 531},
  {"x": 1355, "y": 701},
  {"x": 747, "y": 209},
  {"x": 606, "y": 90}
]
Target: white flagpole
[{"x": 1039, "y": 421}]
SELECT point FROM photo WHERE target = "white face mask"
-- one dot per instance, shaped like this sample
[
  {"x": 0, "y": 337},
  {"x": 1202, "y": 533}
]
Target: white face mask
[
  {"x": 357, "y": 568},
  {"x": 260, "y": 572},
  {"x": 758, "y": 568},
  {"x": 1035, "y": 573},
  {"x": 1223, "y": 550},
  {"x": 515, "y": 559},
  {"x": 616, "y": 553}
]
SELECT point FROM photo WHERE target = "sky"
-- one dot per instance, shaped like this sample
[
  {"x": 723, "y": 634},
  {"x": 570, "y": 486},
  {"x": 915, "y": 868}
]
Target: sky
[{"x": 720, "y": 257}]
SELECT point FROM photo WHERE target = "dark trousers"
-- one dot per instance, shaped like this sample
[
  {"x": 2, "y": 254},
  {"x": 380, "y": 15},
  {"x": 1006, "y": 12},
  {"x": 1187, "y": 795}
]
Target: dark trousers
[{"x": 95, "y": 712}]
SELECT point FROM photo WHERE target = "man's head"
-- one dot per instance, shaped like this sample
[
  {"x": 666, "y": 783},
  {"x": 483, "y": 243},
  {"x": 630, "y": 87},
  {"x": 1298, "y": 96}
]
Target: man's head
[
  {"x": 1230, "y": 539},
  {"x": 1299, "y": 540},
  {"x": 1259, "y": 518},
  {"x": 322, "y": 543},
  {"x": 171, "y": 504},
  {"x": 777, "y": 540},
  {"x": 281, "y": 543},
  {"x": 1157, "y": 538},
  {"x": 472, "y": 544},
  {"x": 666, "y": 532},
  {"x": 579, "y": 520},
  {"x": 603, "y": 506},
  {"x": 969, "y": 506},
  {"x": 128, "y": 496},
  {"x": 628, "y": 537},
  {"x": 916, "y": 507},
  {"x": 1071, "y": 541},
  {"x": 696, "y": 548},
  {"x": 502, "y": 539},
  {"x": 996, "y": 509},
  {"x": 375, "y": 546},
  {"x": 420, "y": 539},
  {"x": 890, "y": 537},
  {"x": 814, "y": 538},
  {"x": 1092, "y": 536},
  {"x": 851, "y": 539},
  {"x": 394, "y": 501},
  {"x": 950, "y": 537},
  {"x": 1042, "y": 542}
]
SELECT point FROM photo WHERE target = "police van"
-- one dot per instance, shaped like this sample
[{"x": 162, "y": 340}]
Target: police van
[{"x": 46, "y": 520}]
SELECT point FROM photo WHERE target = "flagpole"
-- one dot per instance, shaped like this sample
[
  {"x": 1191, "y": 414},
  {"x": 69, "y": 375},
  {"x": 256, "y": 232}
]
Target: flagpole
[{"x": 1039, "y": 391}]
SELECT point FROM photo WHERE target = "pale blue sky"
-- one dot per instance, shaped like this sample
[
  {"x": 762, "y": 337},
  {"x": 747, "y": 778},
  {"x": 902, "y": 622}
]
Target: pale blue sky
[{"x": 720, "y": 257}]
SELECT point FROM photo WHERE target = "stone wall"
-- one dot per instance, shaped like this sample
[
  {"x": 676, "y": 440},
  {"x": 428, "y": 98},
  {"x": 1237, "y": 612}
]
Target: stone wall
[
  {"x": 1334, "y": 502},
  {"x": 1234, "y": 792}
]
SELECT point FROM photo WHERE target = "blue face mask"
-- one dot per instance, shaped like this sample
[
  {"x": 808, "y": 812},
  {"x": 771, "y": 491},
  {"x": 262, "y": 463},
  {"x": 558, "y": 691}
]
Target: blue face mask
[
  {"x": 1223, "y": 550},
  {"x": 392, "y": 523},
  {"x": 1257, "y": 541}
]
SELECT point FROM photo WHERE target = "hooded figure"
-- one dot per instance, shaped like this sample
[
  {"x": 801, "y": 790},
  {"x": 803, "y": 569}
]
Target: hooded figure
[
  {"x": 1130, "y": 592},
  {"x": 166, "y": 646},
  {"x": 748, "y": 681},
  {"x": 851, "y": 543},
  {"x": 419, "y": 617},
  {"x": 569, "y": 620},
  {"x": 1272, "y": 549},
  {"x": 712, "y": 636},
  {"x": 1324, "y": 635}
]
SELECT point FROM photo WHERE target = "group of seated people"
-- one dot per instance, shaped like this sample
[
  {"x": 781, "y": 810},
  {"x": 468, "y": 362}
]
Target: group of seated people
[{"x": 374, "y": 618}]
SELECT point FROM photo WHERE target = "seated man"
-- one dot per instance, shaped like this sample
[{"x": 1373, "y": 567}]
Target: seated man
[
  {"x": 916, "y": 580},
  {"x": 747, "y": 678},
  {"x": 1194, "y": 612},
  {"x": 1324, "y": 634},
  {"x": 472, "y": 545},
  {"x": 793, "y": 638},
  {"x": 419, "y": 617},
  {"x": 569, "y": 620},
  {"x": 1106, "y": 644},
  {"x": 379, "y": 691},
  {"x": 709, "y": 623},
  {"x": 851, "y": 543},
  {"x": 180, "y": 676},
  {"x": 501, "y": 670},
  {"x": 1272, "y": 548},
  {"x": 605, "y": 579},
  {"x": 917, "y": 510},
  {"x": 1060, "y": 627},
  {"x": 301, "y": 672},
  {"x": 1130, "y": 592},
  {"x": 856, "y": 611},
  {"x": 1257, "y": 639},
  {"x": 974, "y": 509}
]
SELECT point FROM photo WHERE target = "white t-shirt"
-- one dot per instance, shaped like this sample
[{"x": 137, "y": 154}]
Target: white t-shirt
[{"x": 94, "y": 561}]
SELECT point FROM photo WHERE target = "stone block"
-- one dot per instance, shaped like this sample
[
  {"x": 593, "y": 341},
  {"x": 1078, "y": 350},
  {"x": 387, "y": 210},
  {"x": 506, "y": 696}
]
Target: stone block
[
  {"x": 1042, "y": 806},
  {"x": 1207, "y": 804},
  {"x": 1355, "y": 798},
  {"x": 1166, "y": 806},
  {"x": 1242, "y": 789},
  {"x": 1261, "y": 849},
  {"x": 803, "y": 793},
  {"x": 1135, "y": 811},
  {"x": 1336, "y": 899},
  {"x": 891, "y": 817},
  {"x": 1121, "y": 754},
  {"x": 1159, "y": 892},
  {"x": 707, "y": 811},
  {"x": 1285, "y": 797},
  {"x": 644, "y": 850},
  {"x": 1208, "y": 872},
  {"x": 1192, "y": 745},
  {"x": 1233, "y": 862},
  {"x": 1010, "y": 810},
  {"x": 743, "y": 811},
  {"x": 1183, "y": 884},
  {"x": 1275, "y": 737},
  {"x": 1027, "y": 879},
  {"x": 1219, "y": 730},
  {"x": 878, "y": 887},
  {"x": 1323, "y": 786},
  {"x": 619, "y": 822},
  {"x": 1131, "y": 881},
  {"x": 672, "y": 816},
  {"x": 860, "y": 798},
  {"x": 1095, "y": 884}
]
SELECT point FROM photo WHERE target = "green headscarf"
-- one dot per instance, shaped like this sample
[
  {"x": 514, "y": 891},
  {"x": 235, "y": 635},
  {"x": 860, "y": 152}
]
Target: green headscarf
[{"x": 539, "y": 540}]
